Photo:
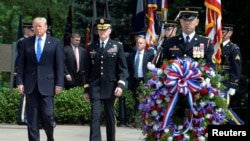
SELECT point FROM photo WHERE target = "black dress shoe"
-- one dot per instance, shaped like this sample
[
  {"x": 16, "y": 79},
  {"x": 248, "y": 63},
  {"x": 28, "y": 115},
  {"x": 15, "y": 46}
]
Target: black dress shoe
[
  {"x": 54, "y": 124},
  {"x": 50, "y": 139},
  {"x": 40, "y": 126}
]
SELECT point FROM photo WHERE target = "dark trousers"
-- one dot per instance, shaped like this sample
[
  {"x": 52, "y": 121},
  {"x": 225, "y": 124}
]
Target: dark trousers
[
  {"x": 78, "y": 81},
  {"x": 234, "y": 118},
  {"x": 43, "y": 107},
  {"x": 136, "y": 83},
  {"x": 110, "y": 120}
]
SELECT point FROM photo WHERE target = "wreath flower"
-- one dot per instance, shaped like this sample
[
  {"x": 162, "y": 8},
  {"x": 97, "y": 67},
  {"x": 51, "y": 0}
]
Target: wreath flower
[{"x": 160, "y": 107}]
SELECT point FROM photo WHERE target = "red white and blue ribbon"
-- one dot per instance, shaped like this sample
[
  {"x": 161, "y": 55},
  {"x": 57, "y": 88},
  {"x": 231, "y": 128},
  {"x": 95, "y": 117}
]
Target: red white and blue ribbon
[{"x": 182, "y": 78}]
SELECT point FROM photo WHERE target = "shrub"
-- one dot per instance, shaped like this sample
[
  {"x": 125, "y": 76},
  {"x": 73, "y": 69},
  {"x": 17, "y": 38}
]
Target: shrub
[{"x": 70, "y": 107}]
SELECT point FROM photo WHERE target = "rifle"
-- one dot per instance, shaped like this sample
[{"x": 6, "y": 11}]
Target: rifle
[{"x": 158, "y": 53}]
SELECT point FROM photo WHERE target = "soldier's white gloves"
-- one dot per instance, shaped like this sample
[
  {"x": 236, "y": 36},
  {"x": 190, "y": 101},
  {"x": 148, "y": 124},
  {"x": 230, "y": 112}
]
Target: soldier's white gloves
[{"x": 231, "y": 91}]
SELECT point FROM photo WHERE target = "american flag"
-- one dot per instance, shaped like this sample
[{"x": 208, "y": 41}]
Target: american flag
[
  {"x": 150, "y": 36},
  {"x": 213, "y": 27}
]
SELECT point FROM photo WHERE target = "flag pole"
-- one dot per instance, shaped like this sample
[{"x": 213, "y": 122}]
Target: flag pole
[
  {"x": 164, "y": 11},
  {"x": 93, "y": 20}
]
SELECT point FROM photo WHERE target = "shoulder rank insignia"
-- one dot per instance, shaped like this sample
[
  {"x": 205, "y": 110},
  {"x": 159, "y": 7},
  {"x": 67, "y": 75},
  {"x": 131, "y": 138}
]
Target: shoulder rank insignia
[{"x": 237, "y": 57}]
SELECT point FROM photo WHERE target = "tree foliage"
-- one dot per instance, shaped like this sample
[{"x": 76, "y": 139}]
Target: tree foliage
[{"x": 121, "y": 12}]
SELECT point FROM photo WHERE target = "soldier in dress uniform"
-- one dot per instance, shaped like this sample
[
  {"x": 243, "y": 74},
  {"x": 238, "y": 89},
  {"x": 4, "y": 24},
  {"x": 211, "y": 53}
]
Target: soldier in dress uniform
[
  {"x": 231, "y": 63},
  {"x": 27, "y": 32},
  {"x": 170, "y": 27},
  {"x": 189, "y": 43},
  {"x": 106, "y": 74}
]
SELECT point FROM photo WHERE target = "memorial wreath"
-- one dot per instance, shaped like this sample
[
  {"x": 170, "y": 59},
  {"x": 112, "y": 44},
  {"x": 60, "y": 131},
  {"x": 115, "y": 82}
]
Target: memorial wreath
[{"x": 180, "y": 100}]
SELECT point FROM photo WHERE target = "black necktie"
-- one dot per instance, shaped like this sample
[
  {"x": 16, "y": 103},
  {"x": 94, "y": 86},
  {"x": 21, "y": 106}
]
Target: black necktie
[
  {"x": 187, "y": 40},
  {"x": 102, "y": 47}
]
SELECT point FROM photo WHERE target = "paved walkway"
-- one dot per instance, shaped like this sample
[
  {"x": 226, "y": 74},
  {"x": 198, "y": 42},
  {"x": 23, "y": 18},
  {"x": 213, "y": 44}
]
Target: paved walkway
[{"x": 67, "y": 133}]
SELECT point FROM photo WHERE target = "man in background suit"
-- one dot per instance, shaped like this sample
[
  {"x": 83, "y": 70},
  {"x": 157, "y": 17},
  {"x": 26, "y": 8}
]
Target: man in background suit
[
  {"x": 106, "y": 75},
  {"x": 74, "y": 57},
  {"x": 138, "y": 72},
  {"x": 40, "y": 78}
]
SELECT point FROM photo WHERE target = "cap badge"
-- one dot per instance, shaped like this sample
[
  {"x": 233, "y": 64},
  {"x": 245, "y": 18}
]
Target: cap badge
[{"x": 101, "y": 21}]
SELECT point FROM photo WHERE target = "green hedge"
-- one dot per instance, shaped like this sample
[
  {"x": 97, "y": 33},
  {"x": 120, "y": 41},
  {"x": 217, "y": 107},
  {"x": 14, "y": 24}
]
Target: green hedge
[{"x": 70, "y": 107}]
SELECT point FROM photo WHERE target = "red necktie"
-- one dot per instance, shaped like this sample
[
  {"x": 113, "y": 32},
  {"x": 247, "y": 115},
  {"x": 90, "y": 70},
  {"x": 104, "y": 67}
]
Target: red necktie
[{"x": 77, "y": 58}]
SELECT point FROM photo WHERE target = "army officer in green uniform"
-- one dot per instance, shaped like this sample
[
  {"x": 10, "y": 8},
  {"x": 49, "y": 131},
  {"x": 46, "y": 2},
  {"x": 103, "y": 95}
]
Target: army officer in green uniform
[{"x": 106, "y": 74}]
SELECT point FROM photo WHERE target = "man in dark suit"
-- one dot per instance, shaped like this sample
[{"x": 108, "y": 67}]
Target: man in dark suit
[
  {"x": 74, "y": 57},
  {"x": 106, "y": 74},
  {"x": 189, "y": 43},
  {"x": 138, "y": 71},
  {"x": 40, "y": 78}
]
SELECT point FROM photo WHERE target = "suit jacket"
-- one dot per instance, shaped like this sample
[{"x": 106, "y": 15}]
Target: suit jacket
[
  {"x": 176, "y": 47},
  {"x": 105, "y": 70},
  {"x": 147, "y": 57},
  {"x": 47, "y": 73},
  {"x": 231, "y": 57},
  {"x": 70, "y": 63}
]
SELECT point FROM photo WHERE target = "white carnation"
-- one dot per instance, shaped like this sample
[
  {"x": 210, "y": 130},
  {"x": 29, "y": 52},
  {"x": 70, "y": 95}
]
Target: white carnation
[
  {"x": 166, "y": 130},
  {"x": 202, "y": 104},
  {"x": 158, "y": 101},
  {"x": 154, "y": 113},
  {"x": 211, "y": 95},
  {"x": 201, "y": 138},
  {"x": 207, "y": 81},
  {"x": 159, "y": 72},
  {"x": 208, "y": 116},
  {"x": 170, "y": 138},
  {"x": 187, "y": 137},
  {"x": 159, "y": 84},
  {"x": 212, "y": 73}
]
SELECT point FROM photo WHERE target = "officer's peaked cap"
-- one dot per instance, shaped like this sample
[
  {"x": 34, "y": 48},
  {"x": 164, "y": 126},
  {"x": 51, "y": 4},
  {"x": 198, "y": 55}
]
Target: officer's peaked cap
[
  {"x": 189, "y": 12},
  {"x": 141, "y": 34},
  {"x": 170, "y": 24},
  {"x": 103, "y": 23},
  {"x": 28, "y": 25},
  {"x": 227, "y": 27}
]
